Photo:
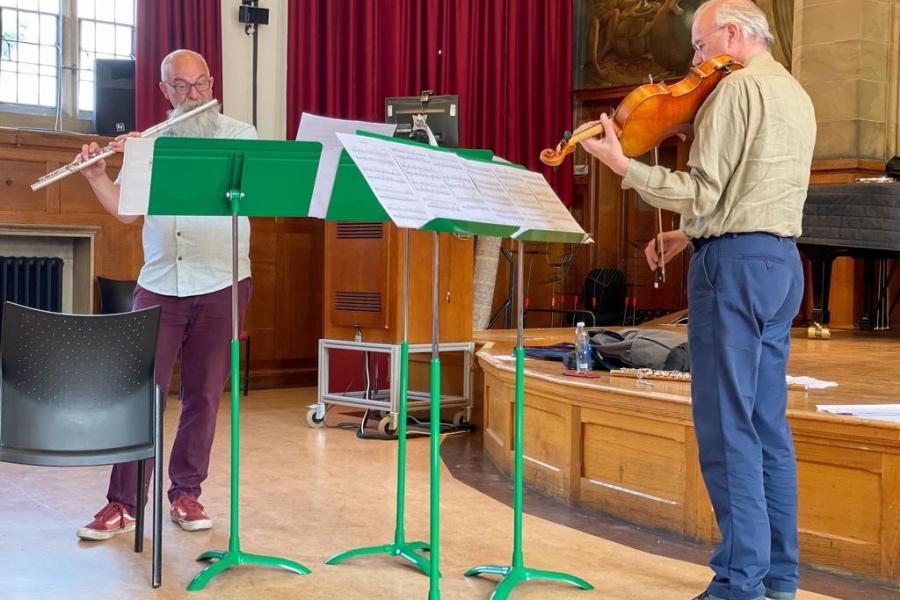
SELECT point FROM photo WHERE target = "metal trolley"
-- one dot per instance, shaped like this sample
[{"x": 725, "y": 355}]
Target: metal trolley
[{"x": 388, "y": 401}]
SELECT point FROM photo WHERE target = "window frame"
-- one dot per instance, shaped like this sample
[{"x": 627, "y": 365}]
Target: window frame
[{"x": 66, "y": 116}]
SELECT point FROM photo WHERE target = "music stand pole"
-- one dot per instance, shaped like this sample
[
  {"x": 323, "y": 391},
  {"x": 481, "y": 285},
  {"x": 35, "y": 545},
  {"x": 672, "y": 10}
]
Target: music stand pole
[
  {"x": 400, "y": 547},
  {"x": 434, "y": 588},
  {"x": 518, "y": 573},
  {"x": 234, "y": 556}
]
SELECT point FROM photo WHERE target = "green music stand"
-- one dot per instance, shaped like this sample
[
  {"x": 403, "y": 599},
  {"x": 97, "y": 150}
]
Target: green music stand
[
  {"x": 517, "y": 572},
  {"x": 233, "y": 178},
  {"x": 353, "y": 200}
]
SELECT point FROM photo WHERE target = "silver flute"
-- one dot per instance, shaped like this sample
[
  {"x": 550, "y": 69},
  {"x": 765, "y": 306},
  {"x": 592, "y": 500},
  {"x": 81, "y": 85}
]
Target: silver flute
[{"x": 75, "y": 165}]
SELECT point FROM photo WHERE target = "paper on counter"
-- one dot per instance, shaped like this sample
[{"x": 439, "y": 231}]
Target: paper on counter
[
  {"x": 314, "y": 128},
  {"x": 810, "y": 383},
  {"x": 880, "y": 412}
]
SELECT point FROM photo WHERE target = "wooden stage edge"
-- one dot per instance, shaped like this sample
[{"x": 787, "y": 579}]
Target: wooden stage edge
[{"x": 628, "y": 449}]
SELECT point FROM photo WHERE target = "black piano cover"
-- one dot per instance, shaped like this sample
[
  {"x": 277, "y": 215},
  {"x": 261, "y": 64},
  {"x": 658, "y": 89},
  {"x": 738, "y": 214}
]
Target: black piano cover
[{"x": 856, "y": 215}]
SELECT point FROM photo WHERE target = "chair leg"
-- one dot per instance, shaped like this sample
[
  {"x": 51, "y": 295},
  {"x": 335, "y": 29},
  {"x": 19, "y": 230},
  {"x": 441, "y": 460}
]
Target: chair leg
[
  {"x": 247, "y": 367},
  {"x": 157, "y": 494},
  {"x": 139, "y": 508}
]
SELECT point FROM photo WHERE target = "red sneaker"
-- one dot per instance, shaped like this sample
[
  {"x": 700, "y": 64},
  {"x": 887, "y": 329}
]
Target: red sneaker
[
  {"x": 112, "y": 519},
  {"x": 188, "y": 513}
]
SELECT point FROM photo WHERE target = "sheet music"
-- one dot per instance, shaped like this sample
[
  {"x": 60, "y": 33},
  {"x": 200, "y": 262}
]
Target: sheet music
[
  {"x": 387, "y": 180},
  {"x": 493, "y": 194},
  {"x": 314, "y": 128},
  {"x": 134, "y": 178},
  {"x": 551, "y": 206},
  {"x": 450, "y": 191},
  {"x": 418, "y": 184}
]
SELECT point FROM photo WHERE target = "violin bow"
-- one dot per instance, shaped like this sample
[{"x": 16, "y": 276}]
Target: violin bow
[{"x": 659, "y": 274}]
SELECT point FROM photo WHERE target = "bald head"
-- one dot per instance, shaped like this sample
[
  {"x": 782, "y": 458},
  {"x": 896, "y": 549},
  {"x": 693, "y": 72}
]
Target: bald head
[
  {"x": 184, "y": 77},
  {"x": 180, "y": 61}
]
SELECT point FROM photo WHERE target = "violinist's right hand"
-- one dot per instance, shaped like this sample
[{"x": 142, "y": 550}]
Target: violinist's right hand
[
  {"x": 672, "y": 242},
  {"x": 96, "y": 170}
]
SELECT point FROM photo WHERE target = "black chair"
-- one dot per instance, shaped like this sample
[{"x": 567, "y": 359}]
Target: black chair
[
  {"x": 116, "y": 295},
  {"x": 79, "y": 390},
  {"x": 603, "y": 294}
]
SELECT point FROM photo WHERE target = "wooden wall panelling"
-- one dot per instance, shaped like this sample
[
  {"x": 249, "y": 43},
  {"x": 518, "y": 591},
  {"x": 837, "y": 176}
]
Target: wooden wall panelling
[
  {"x": 285, "y": 315},
  {"x": 546, "y": 453},
  {"x": 839, "y": 478},
  {"x": 284, "y": 318},
  {"x": 629, "y": 471},
  {"x": 363, "y": 284},
  {"x": 890, "y": 510},
  {"x": 620, "y": 221}
]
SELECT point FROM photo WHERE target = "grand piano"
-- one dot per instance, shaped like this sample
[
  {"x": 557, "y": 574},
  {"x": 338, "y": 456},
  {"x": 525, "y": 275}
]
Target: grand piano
[{"x": 860, "y": 220}]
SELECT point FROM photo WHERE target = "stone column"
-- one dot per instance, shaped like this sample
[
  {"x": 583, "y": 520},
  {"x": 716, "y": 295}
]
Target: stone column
[{"x": 845, "y": 53}]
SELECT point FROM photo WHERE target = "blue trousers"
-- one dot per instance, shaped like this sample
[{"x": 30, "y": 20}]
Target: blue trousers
[{"x": 743, "y": 292}]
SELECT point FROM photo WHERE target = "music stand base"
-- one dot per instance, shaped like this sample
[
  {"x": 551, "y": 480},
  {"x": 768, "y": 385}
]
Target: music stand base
[
  {"x": 513, "y": 576},
  {"x": 406, "y": 550},
  {"x": 225, "y": 559}
]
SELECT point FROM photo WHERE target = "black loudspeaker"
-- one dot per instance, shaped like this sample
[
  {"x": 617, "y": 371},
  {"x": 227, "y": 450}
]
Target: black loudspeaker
[{"x": 113, "y": 96}]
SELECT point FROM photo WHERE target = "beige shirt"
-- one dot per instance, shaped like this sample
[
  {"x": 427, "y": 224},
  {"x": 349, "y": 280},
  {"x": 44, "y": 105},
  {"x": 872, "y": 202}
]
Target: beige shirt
[{"x": 750, "y": 159}]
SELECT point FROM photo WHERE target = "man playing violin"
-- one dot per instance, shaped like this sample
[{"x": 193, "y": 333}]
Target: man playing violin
[
  {"x": 741, "y": 205},
  {"x": 186, "y": 271}
]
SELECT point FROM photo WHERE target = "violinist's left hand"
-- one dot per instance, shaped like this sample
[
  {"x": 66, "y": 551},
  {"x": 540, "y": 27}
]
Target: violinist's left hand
[{"x": 606, "y": 148}]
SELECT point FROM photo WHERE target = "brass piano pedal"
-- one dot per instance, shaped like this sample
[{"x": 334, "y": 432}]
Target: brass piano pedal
[{"x": 819, "y": 331}]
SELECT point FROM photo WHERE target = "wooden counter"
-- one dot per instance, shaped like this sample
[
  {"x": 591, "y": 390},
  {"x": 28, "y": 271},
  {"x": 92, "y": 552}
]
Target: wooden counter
[{"x": 628, "y": 449}]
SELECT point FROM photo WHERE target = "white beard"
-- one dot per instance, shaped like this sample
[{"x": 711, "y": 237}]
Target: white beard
[{"x": 202, "y": 125}]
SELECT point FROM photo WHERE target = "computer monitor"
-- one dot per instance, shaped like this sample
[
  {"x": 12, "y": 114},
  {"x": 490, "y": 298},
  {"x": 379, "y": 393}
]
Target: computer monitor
[{"x": 441, "y": 115}]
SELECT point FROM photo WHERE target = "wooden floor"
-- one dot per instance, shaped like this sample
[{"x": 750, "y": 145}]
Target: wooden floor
[{"x": 306, "y": 495}]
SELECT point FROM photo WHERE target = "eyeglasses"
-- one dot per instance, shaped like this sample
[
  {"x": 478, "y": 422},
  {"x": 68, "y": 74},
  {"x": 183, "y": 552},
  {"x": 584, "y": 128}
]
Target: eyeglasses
[
  {"x": 699, "y": 45},
  {"x": 183, "y": 87}
]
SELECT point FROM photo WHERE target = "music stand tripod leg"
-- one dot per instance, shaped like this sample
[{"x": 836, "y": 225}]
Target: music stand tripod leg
[
  {"x": 234, "y": 556},
  {"x": 517, "y": 572},
  {"x": 400, "y": 547}
]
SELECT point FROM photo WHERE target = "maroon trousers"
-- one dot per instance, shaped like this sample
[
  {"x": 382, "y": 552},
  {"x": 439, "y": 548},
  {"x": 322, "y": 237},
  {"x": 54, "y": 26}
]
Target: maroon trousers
[{"x": 199, "y": 329}]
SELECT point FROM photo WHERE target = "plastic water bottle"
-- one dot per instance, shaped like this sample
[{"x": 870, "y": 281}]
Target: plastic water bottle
[{"x": 583, "y": 353}]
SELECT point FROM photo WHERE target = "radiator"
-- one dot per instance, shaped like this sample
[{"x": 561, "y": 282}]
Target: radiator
[{"x": 31, "y": 281}]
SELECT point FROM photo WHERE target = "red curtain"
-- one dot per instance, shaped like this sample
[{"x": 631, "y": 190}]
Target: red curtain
[
  {"x": 164, "y": 26},
  {"x": 510, "y": 61}
]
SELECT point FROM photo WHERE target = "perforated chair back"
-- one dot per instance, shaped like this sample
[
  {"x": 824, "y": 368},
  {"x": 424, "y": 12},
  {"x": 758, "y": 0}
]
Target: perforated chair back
[
  {"x": 77, "y": 389},
  {"x": 116, "y": 295}
]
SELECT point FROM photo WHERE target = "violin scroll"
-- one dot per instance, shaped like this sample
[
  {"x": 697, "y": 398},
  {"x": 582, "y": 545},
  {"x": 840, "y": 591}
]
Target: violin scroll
[{"x": 555, "y": 156}]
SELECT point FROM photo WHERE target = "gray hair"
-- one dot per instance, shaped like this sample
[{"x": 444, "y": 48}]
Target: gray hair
[{"x": 746, "y": 15}]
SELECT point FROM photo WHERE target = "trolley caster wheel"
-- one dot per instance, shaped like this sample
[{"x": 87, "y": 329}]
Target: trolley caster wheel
[
  {"x": 459, "y": 419},
  {"x": 312, "y": 420},
  {"x": 384, "y": 426}
]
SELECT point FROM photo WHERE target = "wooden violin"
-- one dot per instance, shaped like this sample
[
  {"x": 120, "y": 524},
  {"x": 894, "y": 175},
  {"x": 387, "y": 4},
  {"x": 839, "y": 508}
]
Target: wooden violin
[{"x": 652, "y": 112}]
